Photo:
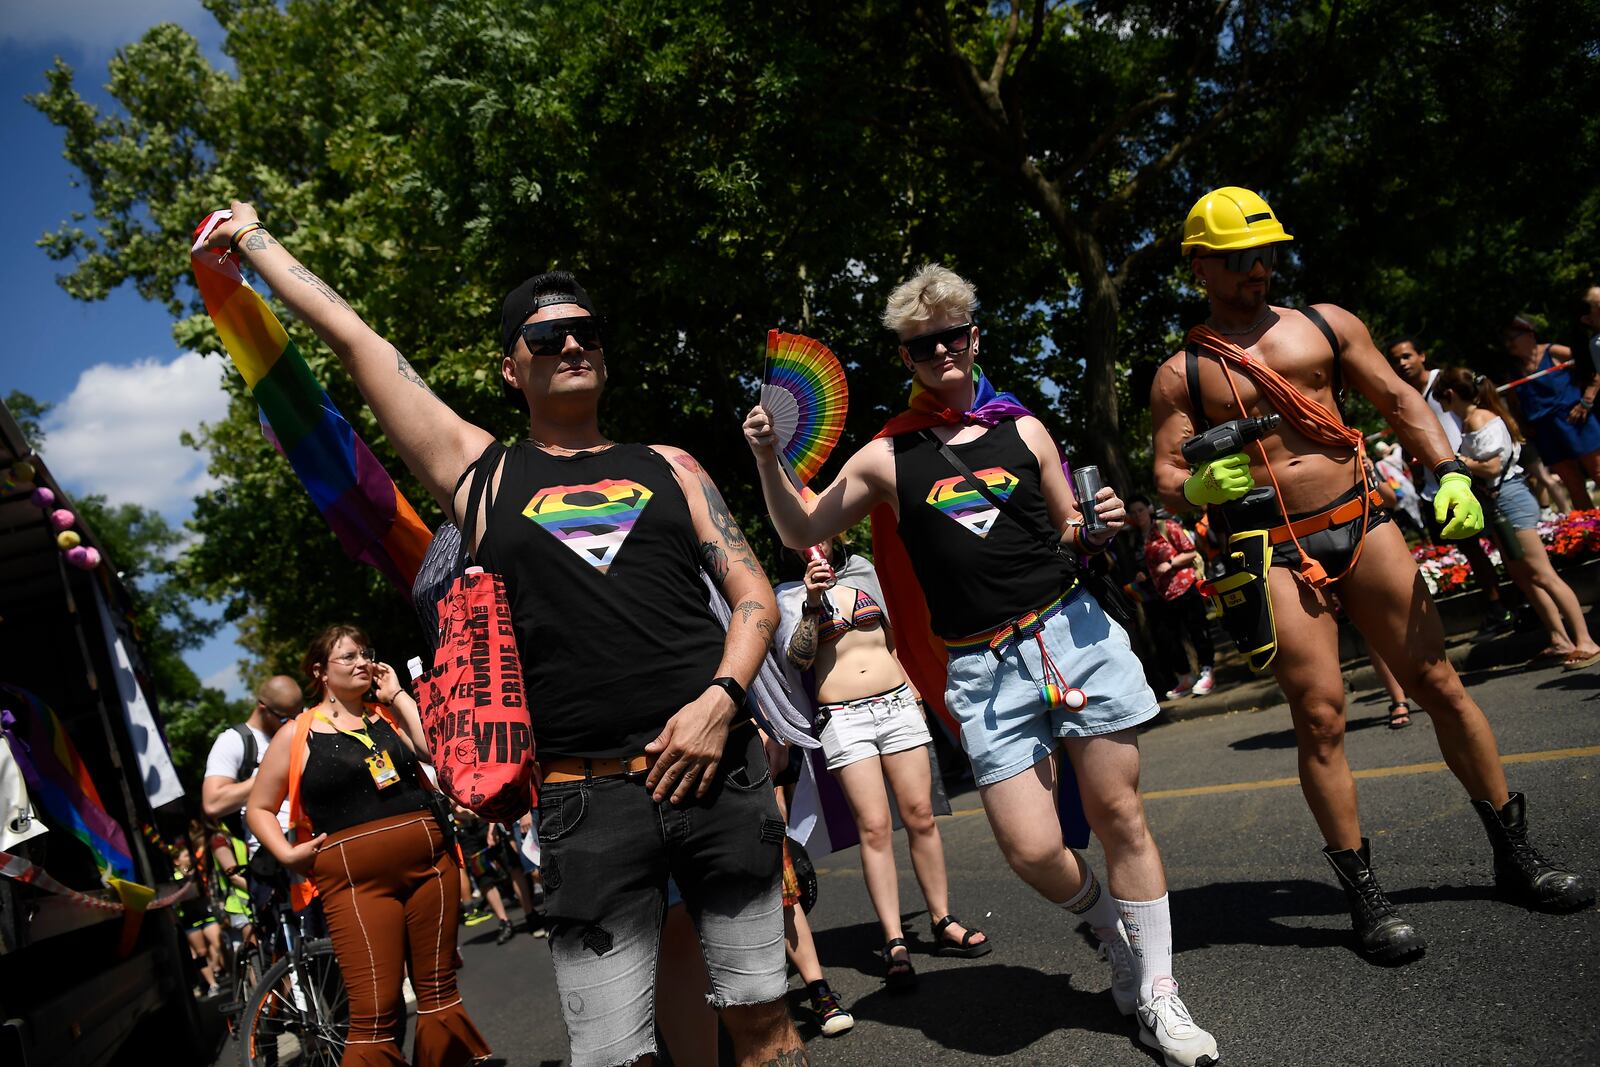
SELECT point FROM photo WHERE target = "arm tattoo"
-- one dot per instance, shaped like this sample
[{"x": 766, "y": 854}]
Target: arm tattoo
[
  {"x": 403, "y": 366},
  {"x": 765, "y": 628},
  {"x": 803, "y": 645},
  {"x": 318, "y": 284},
  {"x": 722, "y": 519},
  {"x": 747, "y": 608},
  {"x": 257, "y": 241},
  {"x": 790, "y": 1058},
  {"x": 716, "y": 560}
]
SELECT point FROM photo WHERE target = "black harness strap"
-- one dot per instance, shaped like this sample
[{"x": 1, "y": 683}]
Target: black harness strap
[
  {"x": 1191, "y": 374},
  {"x": 1191, "y": 370},
  {"x": 1333, "y": 342}
]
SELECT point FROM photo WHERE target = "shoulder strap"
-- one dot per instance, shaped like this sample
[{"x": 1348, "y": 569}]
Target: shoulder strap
[
  {"x": 482, "y": 471},
  {"x": 1191, "y": 374},
  {"x": 1051, "y": 544},
  {"x": 251, "y": 758},
  {"x": 1333, "y": 342},
  {"x": 297, "y": 765}
]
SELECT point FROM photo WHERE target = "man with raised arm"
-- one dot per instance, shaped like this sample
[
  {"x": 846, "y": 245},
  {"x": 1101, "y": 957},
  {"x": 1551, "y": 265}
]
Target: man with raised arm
[
  {"x": 967, "y": 486},
  {"x": 1315, "y": 528},
  {"x": 650, "y": 761}
]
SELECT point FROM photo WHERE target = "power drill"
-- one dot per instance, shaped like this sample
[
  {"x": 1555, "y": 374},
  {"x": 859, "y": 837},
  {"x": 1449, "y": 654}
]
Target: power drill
[{"x": 1228, "y": 438}]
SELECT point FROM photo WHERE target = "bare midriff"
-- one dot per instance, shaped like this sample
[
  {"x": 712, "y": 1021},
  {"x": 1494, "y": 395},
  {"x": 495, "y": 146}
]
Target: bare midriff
[
  {"x": 1309, "y": 474},
  {"x": 858, "y": 664}
]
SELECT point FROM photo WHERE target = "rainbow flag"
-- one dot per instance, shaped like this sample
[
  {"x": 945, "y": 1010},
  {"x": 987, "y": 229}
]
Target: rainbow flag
[
  {"x": 375, "y": 524},
  {"x": 60, "y": 783}
]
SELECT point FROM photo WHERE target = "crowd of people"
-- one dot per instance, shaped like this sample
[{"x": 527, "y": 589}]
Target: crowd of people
[{"x": 985, "y": 610}]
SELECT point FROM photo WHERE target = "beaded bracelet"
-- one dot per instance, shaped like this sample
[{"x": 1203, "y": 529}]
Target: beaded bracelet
[{"x": 233, "y": 242}]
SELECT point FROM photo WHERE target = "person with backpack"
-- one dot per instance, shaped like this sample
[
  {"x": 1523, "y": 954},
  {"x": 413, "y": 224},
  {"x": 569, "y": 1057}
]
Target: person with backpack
[{"x": 237, "y": 751}]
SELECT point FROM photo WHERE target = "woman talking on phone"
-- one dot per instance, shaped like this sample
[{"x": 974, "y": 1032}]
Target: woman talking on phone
[{"x": 378, "y": 860}]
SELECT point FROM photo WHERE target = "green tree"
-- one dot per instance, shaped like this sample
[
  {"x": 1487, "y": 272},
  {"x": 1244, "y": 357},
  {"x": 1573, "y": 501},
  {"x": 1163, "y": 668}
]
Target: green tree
[{"x": 29, "y": 414}]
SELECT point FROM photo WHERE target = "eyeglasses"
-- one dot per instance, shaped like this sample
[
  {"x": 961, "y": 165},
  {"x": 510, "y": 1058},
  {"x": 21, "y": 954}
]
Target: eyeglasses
[
  {"x": 955, "y": 339},
  {"x": 279, "y": 713},
  {"x": 549, "y": 337},
  {"x": 350, "y": 657},
  {"x": 1242, "y": 260}
]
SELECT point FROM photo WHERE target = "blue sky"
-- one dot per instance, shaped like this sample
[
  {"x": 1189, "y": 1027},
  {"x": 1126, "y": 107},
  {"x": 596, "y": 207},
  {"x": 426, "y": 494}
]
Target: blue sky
[{"x": 123, "y": 391}]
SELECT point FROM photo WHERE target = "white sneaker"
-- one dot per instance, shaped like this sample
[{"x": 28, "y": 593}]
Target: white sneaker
[
  {"x": 1204, "y": 684},
  {"x": 1124, "y": 972},
  {"x": 1165, "y": 1025}
]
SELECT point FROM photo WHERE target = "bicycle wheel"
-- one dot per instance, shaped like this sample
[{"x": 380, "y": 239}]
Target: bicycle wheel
[{"x": 298, "y": 1015}]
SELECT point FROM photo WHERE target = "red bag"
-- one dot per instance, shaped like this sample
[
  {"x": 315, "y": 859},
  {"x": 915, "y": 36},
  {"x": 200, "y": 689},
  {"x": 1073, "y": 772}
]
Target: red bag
[{"x": 473, "y": 705}]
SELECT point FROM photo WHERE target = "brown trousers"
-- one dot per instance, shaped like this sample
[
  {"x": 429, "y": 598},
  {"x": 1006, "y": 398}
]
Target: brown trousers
[{"x": 390, "y": 892}]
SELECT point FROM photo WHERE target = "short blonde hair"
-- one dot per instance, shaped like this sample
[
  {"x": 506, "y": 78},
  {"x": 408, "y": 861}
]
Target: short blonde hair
[{"x": 930, "y": 290}]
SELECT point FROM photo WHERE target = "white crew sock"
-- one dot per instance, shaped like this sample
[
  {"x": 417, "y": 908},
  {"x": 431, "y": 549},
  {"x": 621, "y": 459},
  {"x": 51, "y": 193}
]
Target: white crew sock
[
  {"x": 1149, "y": 927},
  {"x": 1093, "y": 904}
]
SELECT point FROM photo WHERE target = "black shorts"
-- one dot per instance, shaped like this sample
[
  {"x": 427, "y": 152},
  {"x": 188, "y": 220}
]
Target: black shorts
[
  {"x": 605, "y": 840},
  {"x": 1334, "y": 547}
]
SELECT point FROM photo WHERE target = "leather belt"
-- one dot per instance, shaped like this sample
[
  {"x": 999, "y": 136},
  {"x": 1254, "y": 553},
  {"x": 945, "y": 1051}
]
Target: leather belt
[
  {"x": 579, "y": 768},
  {"x": 1349, "y": 511}
]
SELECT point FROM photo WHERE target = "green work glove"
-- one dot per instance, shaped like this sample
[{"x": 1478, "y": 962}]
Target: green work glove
[
  {"x": 1454, "y": 501},
  {"x": 1220, "y": 480}
]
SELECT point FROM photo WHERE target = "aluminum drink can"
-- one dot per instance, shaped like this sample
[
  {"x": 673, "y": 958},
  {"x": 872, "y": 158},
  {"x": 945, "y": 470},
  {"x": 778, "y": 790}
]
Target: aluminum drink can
[{"x": 1086, "y": 481}]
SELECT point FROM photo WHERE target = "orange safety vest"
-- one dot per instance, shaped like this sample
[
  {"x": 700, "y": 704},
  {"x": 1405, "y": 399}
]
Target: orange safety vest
[{"x": 303, "y": 892}]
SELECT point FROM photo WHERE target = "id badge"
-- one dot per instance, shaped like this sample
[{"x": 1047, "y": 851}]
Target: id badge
[{"x": 381, "y": 767}]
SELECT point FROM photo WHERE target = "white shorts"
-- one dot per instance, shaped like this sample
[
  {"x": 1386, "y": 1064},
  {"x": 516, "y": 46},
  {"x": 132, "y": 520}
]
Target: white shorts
[{"x": 872, "y": 726}]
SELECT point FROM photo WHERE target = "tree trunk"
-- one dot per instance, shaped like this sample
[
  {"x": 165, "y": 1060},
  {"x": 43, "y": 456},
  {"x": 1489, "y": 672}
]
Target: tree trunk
[{"x": 1100, "y": 307}]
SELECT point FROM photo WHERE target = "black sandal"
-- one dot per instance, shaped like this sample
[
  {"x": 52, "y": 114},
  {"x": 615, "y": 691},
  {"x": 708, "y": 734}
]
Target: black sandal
[
  {"x": 966, "y": 948},
  {"x": 901, "y": 976},
  {"x": 1399, "y": 715}
]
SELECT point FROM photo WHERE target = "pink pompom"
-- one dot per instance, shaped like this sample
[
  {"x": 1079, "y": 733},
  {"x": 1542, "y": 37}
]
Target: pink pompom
[
  {"x": 62, "y": 519},
  {"x": 84, "y": 557},
  {"x": 43, "y": 497}
]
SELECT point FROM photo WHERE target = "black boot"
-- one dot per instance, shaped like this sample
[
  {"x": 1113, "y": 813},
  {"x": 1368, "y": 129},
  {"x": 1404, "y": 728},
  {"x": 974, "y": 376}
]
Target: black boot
[
  {"x": 1383, "y": 935},
  {"x": 1521, "y": 875},
  {"x": 507, "y": 932}
]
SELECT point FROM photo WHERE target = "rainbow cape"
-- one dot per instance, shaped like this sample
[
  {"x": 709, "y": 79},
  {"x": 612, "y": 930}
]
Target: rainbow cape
[
  {"x": 375, "y": 524},
  {"x": 60, "y": 783},
  {"x": 919, "y": 649}
]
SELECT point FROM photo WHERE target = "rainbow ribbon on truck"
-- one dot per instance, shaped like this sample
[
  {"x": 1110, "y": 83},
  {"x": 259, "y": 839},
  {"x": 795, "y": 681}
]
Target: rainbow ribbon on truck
[{"x": 373, "y": 521}]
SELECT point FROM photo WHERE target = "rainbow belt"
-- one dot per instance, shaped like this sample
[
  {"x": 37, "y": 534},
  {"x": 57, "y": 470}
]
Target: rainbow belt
[{"x": 1022, "y": 627}]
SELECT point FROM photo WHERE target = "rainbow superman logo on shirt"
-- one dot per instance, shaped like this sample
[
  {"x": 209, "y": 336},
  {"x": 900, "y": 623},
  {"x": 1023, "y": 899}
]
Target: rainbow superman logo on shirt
[
  {"x": 592, "y": 520},
  {"x": 955, "y": 498}
]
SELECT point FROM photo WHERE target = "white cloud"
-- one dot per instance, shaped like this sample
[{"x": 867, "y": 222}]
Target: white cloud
[
  {"x": 97, "y": 26},
  {"x": 227, "y": 679},
  {"x": 117, "y": 433}
]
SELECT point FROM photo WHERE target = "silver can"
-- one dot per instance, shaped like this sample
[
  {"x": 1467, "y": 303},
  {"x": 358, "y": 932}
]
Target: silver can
[{"x": 1086, "y": 481}]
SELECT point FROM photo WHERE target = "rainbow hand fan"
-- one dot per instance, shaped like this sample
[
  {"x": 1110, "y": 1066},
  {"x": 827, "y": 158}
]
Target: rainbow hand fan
[{"x": 805, "y": 393}]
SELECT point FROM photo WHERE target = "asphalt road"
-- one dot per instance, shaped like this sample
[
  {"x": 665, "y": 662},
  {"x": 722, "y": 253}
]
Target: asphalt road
[{"x": 1261, "y": 932}]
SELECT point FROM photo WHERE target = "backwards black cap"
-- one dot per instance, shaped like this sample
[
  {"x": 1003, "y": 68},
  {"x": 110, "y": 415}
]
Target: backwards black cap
[{"x": 541, "y": 290}]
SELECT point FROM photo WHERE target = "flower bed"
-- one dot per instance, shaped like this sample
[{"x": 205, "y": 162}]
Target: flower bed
[{"x": 1572, "y": 538}]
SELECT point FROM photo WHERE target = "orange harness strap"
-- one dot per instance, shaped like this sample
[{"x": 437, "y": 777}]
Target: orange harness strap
[{"x": 1308, "y": 417}]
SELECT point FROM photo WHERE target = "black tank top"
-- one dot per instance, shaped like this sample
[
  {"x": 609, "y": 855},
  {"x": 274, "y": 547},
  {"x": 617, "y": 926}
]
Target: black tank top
[
  {"x": 977, "y": 567},
  {"x": 602, "y": 568},
  {"x": 336, "y": 789}
]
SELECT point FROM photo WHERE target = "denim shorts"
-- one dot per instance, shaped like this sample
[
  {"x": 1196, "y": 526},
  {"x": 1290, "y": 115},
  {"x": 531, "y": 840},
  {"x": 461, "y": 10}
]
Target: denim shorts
[
  {"x": 1517, "y": 503},
  {"x": 607, "y": 851},
  {"x": 872, "y": 726},
  {"x": 1006, "y": 727}
]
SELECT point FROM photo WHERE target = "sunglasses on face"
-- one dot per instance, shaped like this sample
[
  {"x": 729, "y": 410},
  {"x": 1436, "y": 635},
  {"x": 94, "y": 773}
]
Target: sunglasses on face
[
  {"x": 1241, "y": 261},
  {"x": 955, "y": 339},
  {"x": 549, "y": 337}
]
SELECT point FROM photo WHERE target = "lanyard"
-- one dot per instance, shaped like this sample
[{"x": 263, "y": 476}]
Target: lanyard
[{"x": 360, "y": 735}]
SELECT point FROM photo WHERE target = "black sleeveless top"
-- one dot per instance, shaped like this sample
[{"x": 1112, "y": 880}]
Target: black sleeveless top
[
  {"x": 602, "y": 568},
  {"x": 336, "y": 789},
  {"x": 977, "y": 567}
]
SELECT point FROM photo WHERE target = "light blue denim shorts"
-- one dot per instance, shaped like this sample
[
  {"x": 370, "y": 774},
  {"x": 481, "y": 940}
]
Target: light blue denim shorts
[
  {"x": 1517, "y": 503},
  {"x": 1006, "y": 727}
]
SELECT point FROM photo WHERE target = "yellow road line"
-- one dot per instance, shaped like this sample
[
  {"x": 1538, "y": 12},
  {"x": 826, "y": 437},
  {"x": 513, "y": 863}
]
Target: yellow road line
[{"x": 1373, "y": 772}]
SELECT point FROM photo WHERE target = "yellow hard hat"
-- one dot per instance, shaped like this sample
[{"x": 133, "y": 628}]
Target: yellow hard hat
[{"x": 1229, "y": 218}]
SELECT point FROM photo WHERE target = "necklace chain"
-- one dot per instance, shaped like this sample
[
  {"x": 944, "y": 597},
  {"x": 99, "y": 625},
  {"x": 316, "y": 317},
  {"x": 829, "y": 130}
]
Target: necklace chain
[{"x": 1248, "y": 329}]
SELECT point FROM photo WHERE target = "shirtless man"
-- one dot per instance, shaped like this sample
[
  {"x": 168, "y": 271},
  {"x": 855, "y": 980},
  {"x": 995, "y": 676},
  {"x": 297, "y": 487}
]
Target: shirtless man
[{"x": 1233, "y": 237}]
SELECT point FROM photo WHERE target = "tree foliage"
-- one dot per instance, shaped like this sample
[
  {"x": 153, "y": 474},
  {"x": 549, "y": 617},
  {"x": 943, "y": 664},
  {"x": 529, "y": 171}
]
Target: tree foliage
[{"x": 713, "y": 168}]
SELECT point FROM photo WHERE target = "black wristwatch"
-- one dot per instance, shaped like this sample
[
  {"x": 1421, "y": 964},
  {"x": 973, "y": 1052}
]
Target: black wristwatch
[
  {"x": 1450, "y": 466},
  {"x": 731, "y": 687}
]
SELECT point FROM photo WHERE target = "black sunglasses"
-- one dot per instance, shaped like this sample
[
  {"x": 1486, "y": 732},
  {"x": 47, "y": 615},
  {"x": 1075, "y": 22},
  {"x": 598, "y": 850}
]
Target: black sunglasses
[
  {"x": 955, "y": 339},
  {"x": 1241, "y": 261},
  {"x": 549, "y": 337}
]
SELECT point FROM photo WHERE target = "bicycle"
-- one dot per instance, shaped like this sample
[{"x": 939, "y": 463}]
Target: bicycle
[{"x": 298, "y": 1012}]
